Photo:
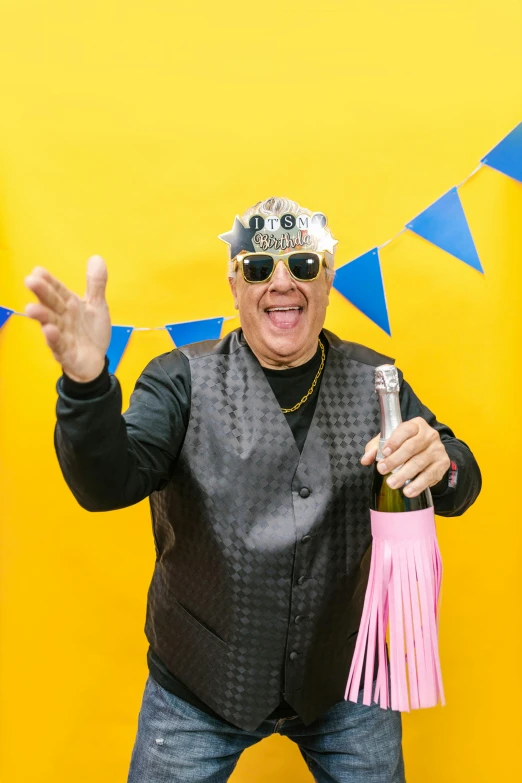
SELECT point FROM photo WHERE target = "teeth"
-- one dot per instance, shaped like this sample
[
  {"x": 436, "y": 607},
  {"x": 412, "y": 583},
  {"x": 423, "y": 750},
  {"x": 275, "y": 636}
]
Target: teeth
[{"x": 271, "y": 309}]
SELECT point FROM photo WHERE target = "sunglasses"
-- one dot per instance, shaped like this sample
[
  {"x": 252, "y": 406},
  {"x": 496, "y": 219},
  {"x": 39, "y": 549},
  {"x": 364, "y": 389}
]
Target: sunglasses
[{"x": 259, "y": 267}]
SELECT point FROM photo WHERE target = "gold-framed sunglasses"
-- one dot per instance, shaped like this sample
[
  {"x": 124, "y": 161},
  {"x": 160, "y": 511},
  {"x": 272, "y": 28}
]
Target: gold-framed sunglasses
[{"x": 302, "y": 265}]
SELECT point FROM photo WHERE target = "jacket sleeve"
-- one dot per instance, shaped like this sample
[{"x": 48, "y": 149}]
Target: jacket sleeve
[
  {"x": 112, "y": 460},
  {"x": 449, "y": 501}
]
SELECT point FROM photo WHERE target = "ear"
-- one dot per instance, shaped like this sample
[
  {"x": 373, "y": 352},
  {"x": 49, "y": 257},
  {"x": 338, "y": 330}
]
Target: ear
[
  {"x": 329, "y": 283},
  {"x": 233, "y": 287},
  {"x": 329, "y": 278}
]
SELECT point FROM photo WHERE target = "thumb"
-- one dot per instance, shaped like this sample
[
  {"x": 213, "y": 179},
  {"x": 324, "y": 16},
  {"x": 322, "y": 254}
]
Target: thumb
[
  {"x": 96, "y": 280},
  {"x": 370, "y": 451}
]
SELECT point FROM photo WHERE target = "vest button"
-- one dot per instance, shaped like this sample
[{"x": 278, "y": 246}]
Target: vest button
[
  {"x": 301, "y": 580},
  {"x": 293, "y": 656},
  {"x": 305, "y": 539},
  {"x": 298, "y": 618},
  {"x": 304, "y": 492}
]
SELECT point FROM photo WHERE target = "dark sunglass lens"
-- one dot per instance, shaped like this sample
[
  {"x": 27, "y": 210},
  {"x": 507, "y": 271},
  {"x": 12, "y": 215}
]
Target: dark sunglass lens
[
  {"x": 304, "y": 266},
  {"x": 257, "y": 268}
]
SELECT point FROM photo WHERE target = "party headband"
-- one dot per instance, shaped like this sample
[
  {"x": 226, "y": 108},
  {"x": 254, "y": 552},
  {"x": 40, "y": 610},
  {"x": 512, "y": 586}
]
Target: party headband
[{"x": 279, "y": 235}]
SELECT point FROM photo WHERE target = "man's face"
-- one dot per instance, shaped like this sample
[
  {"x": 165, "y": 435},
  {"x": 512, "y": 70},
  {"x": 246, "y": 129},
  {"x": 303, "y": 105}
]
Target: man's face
[{"x": 282, "y": 319}]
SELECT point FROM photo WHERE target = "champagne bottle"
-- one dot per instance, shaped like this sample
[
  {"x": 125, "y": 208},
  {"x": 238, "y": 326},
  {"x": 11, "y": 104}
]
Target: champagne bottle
[
  {"x": 383, "y": 497},
  {"x": 403, "y": 591}
]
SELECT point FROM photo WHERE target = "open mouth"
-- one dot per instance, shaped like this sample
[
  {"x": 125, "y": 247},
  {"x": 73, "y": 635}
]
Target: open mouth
[{"x": 284, "y": 317}]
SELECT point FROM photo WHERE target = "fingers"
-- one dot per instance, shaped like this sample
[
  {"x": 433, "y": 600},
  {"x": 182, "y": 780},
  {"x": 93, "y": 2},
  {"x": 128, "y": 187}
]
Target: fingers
[
  {"x": 48, "y": 289},
  {"x": 50, "y": 308},
  {"x": 427, "y": 478},
  {"x": 42, "y": 314},
  {"x": 409, "y": 438},
  {"x": 402, "y": 433},
  {"x": 413, "y": 454},
  {"x": 413, "y": 467}
]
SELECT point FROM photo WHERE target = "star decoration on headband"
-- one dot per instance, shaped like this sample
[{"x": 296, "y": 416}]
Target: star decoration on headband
[
  {"x": 327, "y": 242},
  {"x": 239, "y": 238}
]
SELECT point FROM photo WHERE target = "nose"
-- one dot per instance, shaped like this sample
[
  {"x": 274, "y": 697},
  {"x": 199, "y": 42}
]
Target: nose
[{"x": 281, "y": 281}]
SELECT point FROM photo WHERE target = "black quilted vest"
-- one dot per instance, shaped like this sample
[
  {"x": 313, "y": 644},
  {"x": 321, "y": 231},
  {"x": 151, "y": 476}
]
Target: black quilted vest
[{"x": 263, "y": 552}]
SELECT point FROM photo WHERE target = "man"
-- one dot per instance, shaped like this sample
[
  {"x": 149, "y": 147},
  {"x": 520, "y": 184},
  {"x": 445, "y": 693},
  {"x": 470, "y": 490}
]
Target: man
[{"x": 251, "y": 451}]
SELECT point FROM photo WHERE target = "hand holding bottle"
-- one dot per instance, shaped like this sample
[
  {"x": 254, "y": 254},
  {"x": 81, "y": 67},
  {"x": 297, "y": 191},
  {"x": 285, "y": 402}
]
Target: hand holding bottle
[
  {"x": 78, "y": 331},
  {"x": 416, "y": 447}
]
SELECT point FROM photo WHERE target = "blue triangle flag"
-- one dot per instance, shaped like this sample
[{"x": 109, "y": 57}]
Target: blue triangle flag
[
  {"x": 5, "y": 314},
  {"x": 360, "y": 281},
  {"x": 120, "y": 338},
  {"x": 195, "y": 331},
  {"x": 444, "y": 224},
  {"x": 506, "y": 157}
]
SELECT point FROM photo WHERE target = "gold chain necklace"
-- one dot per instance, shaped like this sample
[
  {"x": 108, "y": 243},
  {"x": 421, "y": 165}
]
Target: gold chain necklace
[{"x": 312, "y": 387}]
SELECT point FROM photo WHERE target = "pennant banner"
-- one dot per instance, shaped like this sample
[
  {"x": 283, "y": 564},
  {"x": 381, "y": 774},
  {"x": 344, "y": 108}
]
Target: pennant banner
[
  {"x": 5, "y": 314},
  {"x": 506, "y": 157},
  {"x": 361, "y": 283},
  {"x": 120, "y": 338},
  {"x": 195, "y": 331},
  {"x": 444, "y": 224}
]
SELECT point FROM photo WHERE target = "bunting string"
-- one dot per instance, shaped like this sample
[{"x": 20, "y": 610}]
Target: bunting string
[
  {"x": 443, "y": 223},
  {"x": 135, "y": 328},
  {"x": 388, "y": 241}
]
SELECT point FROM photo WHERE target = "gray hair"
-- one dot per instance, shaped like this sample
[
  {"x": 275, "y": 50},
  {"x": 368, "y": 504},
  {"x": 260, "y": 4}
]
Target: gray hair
[{"x": 280, "y": 206}]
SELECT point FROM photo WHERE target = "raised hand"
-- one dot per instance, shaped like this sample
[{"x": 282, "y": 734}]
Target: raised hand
[{"x": 78, "y": 331}]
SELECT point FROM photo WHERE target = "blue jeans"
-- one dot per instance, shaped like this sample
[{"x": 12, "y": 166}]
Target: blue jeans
[{"x": 177, "y": 742}]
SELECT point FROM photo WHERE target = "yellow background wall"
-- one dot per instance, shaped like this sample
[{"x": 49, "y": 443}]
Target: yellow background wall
[{"x": 137, "y": 131}]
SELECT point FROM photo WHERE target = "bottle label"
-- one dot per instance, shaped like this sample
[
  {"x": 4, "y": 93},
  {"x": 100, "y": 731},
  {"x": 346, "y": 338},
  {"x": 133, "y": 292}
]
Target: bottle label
[{"x": 403, "y": 525}]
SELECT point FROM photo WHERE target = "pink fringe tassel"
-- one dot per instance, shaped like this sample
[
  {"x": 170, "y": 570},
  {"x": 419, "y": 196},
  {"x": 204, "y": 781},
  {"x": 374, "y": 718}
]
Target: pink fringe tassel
[{"x": 404, "y": 592}]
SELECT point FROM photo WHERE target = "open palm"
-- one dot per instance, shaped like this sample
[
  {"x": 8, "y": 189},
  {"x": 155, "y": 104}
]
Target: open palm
[{"x": 78, "y": 331}]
